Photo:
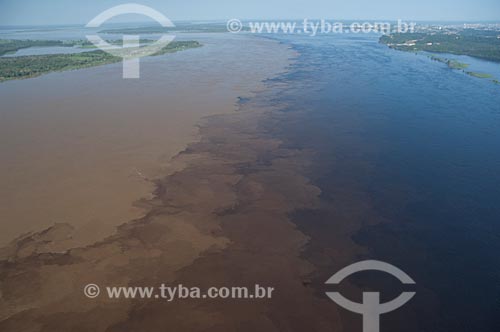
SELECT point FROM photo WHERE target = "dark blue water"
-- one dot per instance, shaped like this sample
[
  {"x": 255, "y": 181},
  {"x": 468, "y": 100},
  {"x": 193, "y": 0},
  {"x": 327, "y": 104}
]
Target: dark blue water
[{"x": 407, "y": 154}]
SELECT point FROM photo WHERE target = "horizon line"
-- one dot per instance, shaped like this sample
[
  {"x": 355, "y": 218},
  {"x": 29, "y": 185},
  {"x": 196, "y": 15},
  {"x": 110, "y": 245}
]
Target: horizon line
[{"x": 262, "y": 20}]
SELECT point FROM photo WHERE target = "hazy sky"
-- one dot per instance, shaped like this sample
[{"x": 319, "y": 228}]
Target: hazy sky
[{"x": 19, "y": 12}]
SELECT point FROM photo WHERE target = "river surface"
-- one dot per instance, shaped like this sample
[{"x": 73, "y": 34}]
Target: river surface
[
  {"x": 474, "y": 65},
  {"x": 406, "y": 153},
  {"x": 408, "y": 159},
  {"x": 81, "y": 147}
]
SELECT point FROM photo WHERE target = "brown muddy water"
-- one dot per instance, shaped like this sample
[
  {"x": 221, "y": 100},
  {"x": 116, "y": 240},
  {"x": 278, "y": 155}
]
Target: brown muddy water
[
  {"x": 351, "y": 151},
  {"x": 218, "y": 216},
  {"x": 81, "y": 147}
]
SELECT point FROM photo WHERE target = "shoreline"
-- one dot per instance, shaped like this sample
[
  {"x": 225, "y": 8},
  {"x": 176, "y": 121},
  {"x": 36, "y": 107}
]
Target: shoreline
[{"x": 39, "y": 65}]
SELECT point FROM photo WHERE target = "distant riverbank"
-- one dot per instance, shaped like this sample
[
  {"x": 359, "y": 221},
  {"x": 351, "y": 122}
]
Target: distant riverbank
[
  {"x": 472, "y": 45},
  {"x": 23, "y": 67}
]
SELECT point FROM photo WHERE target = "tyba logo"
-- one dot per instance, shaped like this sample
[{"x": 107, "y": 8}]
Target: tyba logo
[{"x": 131, "y": 51}]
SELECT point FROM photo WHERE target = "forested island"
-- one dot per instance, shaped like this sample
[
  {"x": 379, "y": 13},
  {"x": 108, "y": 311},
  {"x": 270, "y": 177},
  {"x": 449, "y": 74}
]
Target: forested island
[
  {"x": 8, "y": 46},
  {"x": 481, "y": 44},
  {"x": 21, "y": 67}
]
